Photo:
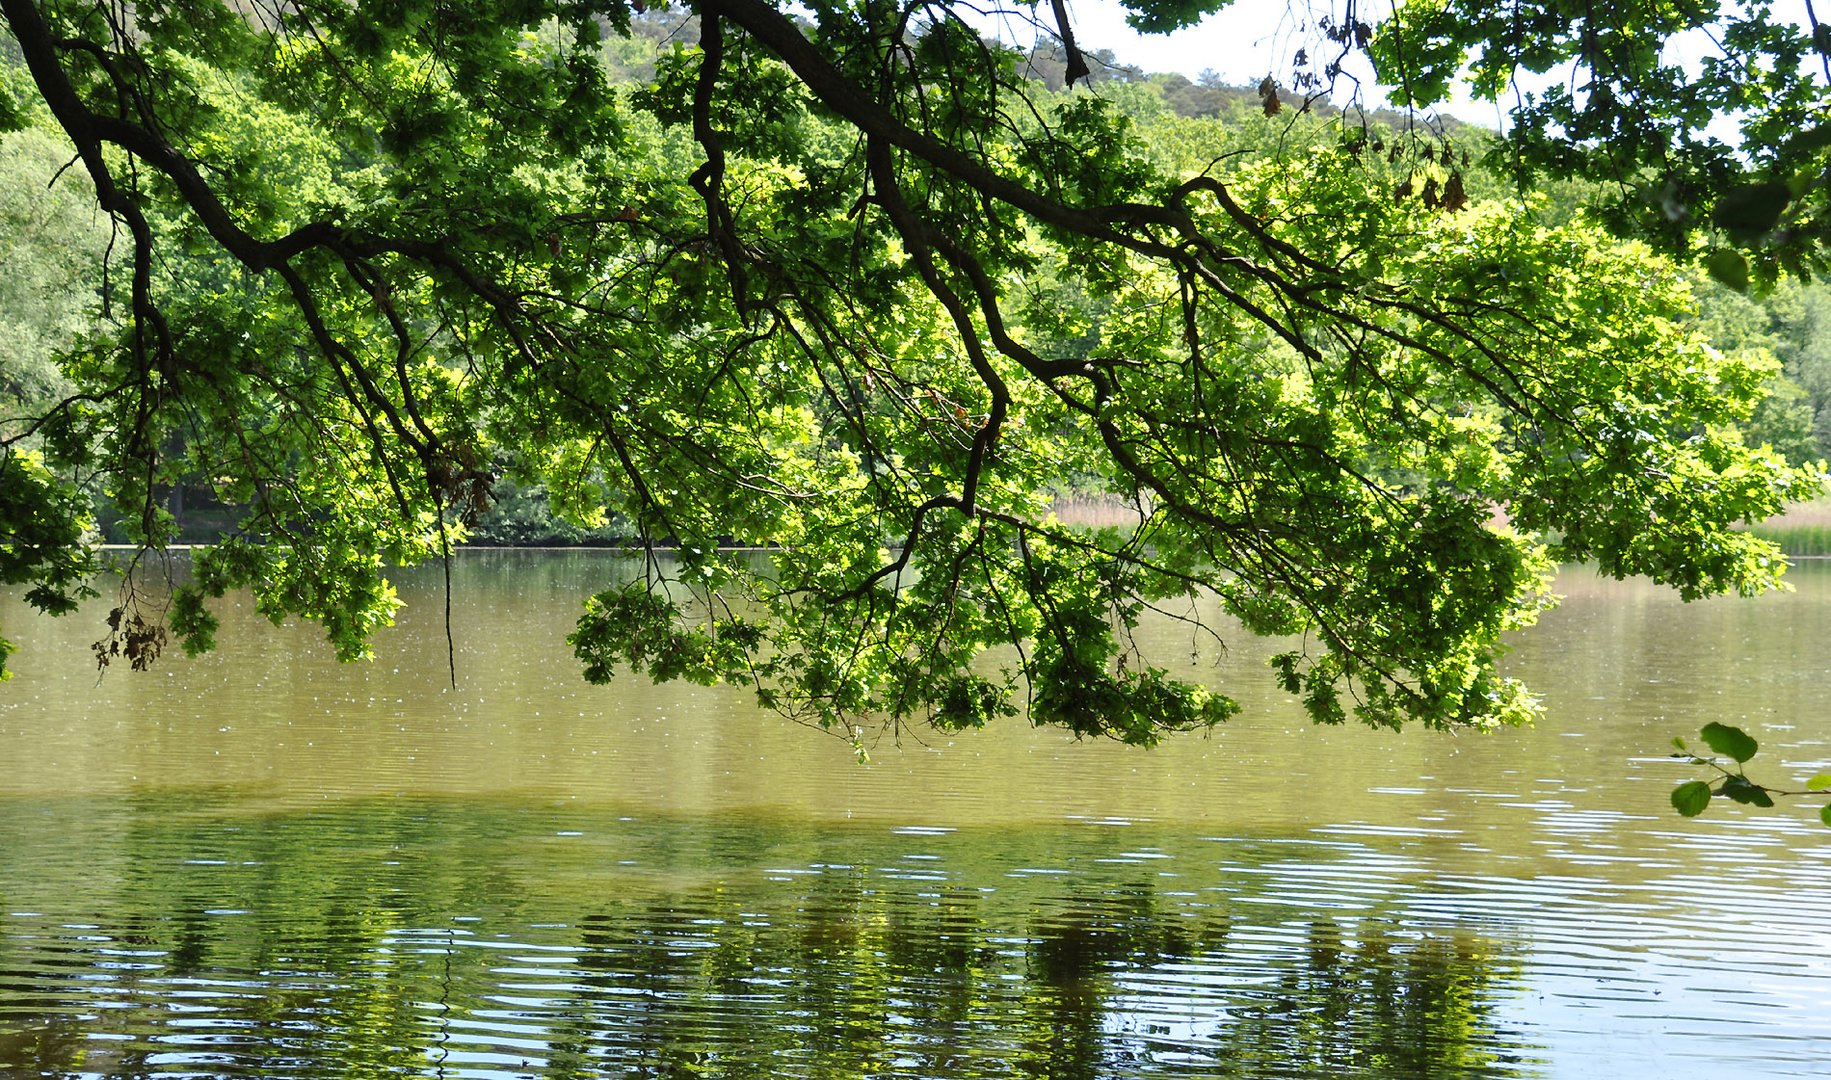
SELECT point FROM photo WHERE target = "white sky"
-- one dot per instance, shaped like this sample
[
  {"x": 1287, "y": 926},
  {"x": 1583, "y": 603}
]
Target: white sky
[
  {"x": 1251, "y": 39},
  {"x": 1242, "y": 43}
]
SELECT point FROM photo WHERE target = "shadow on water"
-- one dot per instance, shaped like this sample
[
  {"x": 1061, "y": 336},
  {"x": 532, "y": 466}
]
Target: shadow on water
[{"x": 359, "y": 942}]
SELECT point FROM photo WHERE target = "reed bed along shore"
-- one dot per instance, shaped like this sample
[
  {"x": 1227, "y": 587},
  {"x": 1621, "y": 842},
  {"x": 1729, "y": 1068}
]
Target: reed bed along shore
[
  {"x": 1803, "y": 532},
  {"x": 1095, "y": 511}
]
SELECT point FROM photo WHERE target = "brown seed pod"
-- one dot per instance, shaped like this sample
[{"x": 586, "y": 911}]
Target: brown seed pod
[{"x": 1454, "y": 198}]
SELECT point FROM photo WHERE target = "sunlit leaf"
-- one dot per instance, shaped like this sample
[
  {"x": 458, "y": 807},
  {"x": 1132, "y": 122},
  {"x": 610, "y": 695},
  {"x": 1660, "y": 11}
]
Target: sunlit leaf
[
  {"x": 1819, "y": 782},
  {"x": 1691, "y": 799},
  {"x": 1730, "y": 741}
]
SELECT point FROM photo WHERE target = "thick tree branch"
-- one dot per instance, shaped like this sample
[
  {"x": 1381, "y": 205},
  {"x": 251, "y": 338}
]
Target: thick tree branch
[{"x": 851, "y": 101}]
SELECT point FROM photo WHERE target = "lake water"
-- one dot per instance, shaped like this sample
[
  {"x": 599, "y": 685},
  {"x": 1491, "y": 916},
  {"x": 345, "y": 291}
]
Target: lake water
[{"x": 261, "y": 863}]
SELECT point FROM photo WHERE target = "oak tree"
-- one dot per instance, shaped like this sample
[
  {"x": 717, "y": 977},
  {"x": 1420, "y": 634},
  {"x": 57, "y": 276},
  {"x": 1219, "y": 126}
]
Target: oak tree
[{"x": 839, "y": 282}]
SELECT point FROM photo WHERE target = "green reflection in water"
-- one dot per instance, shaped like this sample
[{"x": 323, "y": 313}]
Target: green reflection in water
[
  {"x": 263, "y": 863},
  {"x": 407, "y": 937}
]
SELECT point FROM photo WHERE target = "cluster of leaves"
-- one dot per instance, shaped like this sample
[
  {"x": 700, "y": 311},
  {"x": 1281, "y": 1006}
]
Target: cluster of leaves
[
  {"x": 42, "y": 538},
  {"x": 848, "y": 289},
  {"x": 1598, "y": 91},
  {"x": 1693, "y": 797}
]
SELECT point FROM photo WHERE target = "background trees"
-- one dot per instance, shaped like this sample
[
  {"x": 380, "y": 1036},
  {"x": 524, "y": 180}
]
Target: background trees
[
  {"x": 854, "y": 289},
  {"x": 51, "y": 243}
]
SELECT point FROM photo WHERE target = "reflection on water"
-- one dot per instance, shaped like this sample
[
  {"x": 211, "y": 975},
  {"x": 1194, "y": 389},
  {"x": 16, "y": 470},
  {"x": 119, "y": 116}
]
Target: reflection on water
[
  {"x": 466, "y": 939},
  {"x": 263, "y": 864}
]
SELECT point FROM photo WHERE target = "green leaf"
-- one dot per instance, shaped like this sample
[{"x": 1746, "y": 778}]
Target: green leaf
[
  {"x": 1813, "y": 138},
  {"x": 12, "y": 117},
  {"x": 1825, "y": 814},
  {"x": 1819, "y": 782},
  {"x": 1163, "y": 16},
  {"x": 1690, "y": 799},
  {"x": 1750, "y": 212},
  {"x": 1745, "y": 791},
  {"x": 1679, "y": 745},
  {"x": 1728, "y": 267},
  {"x": 1730, "y": 741}
]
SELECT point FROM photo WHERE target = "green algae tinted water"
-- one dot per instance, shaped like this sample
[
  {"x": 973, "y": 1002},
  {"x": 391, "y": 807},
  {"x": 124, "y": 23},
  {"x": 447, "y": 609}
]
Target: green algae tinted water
[{"x": 261, "y": 863}]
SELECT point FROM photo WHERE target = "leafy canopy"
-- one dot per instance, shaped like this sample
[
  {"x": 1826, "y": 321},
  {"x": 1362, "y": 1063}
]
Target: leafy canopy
[
  {"x": 1711, "y": 121},
  {"x": 843, "y": 285}
]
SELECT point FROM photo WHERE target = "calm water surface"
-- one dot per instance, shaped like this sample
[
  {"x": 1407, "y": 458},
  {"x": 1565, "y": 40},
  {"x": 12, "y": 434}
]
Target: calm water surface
[{"x": 261, "y": 863}]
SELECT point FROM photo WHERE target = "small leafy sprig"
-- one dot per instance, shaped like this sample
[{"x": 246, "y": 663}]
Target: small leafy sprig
[{"x": 1692, "y": 797}]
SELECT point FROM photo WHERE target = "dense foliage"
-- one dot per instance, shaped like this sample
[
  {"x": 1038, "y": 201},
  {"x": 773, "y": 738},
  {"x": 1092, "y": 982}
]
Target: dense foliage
[
  {"x": 1707, "y": 118},
  {"x": 851, "y": 288}
]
